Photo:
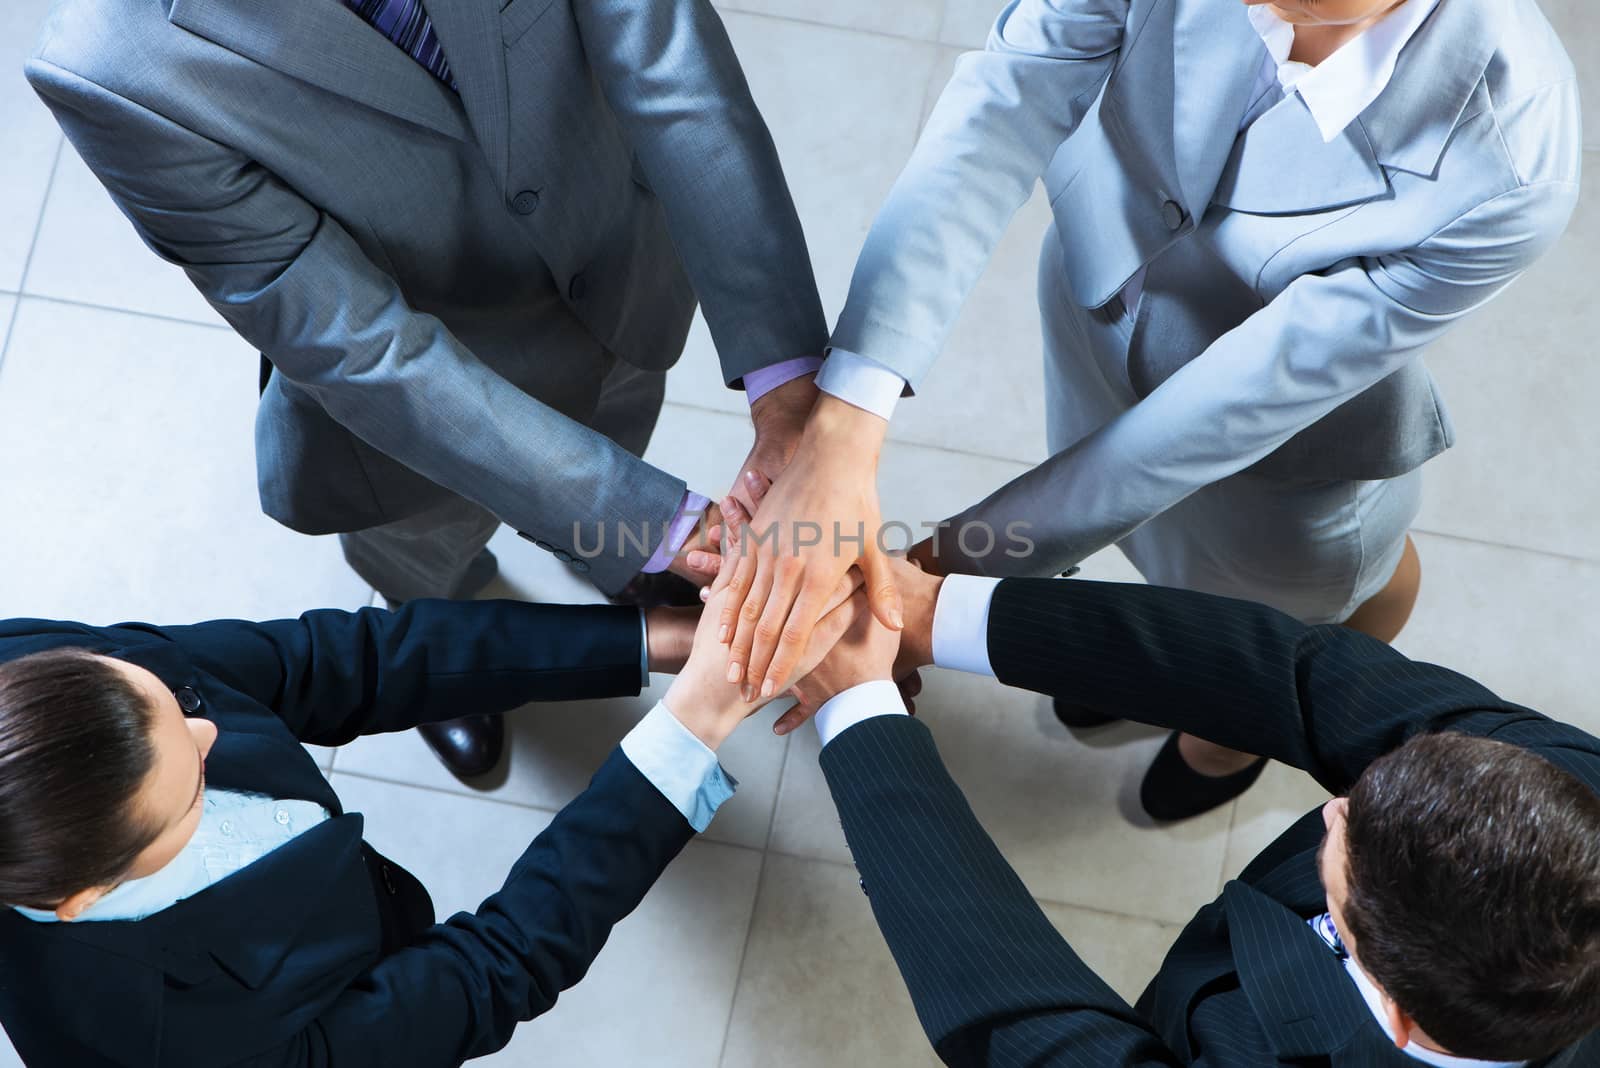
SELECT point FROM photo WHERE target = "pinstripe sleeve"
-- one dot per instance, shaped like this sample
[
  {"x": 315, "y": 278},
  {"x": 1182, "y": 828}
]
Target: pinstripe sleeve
[
  {"x": 993, "y": 982},
  {"x": 1325, "y": 699}
]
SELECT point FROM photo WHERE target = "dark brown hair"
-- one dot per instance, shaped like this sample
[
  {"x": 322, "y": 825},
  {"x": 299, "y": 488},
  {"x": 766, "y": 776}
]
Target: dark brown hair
[
  {"x": 75, "y": 749},
  {"x": 1474, "y": 871}
]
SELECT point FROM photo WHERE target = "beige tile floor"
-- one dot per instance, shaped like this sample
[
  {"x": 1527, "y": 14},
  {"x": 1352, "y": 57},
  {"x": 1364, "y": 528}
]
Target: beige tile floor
[{"x": 126, "y": 491}]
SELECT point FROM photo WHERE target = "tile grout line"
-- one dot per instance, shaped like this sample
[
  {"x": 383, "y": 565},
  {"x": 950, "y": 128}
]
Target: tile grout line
[
  {"x": 744, "y": 947},
  {"x": 755, "y": 902},
  {"x": 33, "y": 245},
  {"x": 822, "y": 24},
  {"x": 1227, "y": 840},
  {"x": 158, "y": 316},
  {"x": 1569, "y": 557}
]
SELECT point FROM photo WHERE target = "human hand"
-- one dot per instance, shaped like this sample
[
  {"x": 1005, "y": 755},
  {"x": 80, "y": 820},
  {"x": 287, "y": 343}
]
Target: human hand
[
  {"x": 787, "y": 571},
  {"x": 700, "y": 556},
  {"x": 779, "y": 417},
  {"x": 669, "y": 634},
  {"x": 865, "y": 653},
  {"x": 701, "y": 697},
  {"x": 919, "y": 592}
]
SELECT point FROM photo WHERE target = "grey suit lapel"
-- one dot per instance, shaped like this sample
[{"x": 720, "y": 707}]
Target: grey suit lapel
[
  {"x": 1215, "y": 57},
  {"x": 324, "y": 43},
  {"x": 1411, "y": 121},
  {"x": 471, "y": 36},
  {"x": 1281, "y": 165}
]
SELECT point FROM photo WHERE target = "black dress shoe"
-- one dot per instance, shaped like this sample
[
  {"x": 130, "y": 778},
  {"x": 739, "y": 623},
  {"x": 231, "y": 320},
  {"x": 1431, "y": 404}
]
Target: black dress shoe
[
  {"x": 469, "y": 746},
  {"x": 1079, "y": 717},
  {"x": 658, "y": 589},
  {"x": 1172, "y": 790}
]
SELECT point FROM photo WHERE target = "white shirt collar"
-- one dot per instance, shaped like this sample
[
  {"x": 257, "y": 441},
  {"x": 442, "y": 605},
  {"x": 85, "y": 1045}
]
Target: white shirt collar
[
  {"x": 1374, "y": 1000},
  {"x": 1343, "y": 85}
]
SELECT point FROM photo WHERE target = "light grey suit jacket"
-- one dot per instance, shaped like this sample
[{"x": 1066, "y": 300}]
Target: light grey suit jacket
[
  {"x": 1293, "y": 284},
  {"x": 441, "y": 282}
]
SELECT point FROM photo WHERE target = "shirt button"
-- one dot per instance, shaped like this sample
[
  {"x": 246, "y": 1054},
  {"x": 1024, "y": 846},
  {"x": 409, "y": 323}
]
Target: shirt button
[
  {"x": 1172, "y": 214},
  {"x": 564, "y": 556},
  {"x": 282, "y": 816},
  {"x": 227, "y": 827},
  {"x": 525, "y": 202},
  {"x": 188, "y": 700},
  {"x": 577, "y": 287},
  {"x": 580, "y": 566}
]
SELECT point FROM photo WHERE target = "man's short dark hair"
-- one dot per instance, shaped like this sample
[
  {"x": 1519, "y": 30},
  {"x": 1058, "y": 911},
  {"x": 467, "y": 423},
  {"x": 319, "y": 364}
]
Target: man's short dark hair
[
  {"x": 1474, "y": 871},
  {"x": 75, "y": 749}
]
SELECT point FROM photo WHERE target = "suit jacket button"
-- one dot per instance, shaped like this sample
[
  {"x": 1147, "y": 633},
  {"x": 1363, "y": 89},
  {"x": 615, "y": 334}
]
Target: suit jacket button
[
  {"x": 525, "y": 202},
  {"x": 188, "y": 700},
  {"x": 577, "y": 287},
  {"x": 1172, "y": 214},
  {"x": 863, "y": 884}
]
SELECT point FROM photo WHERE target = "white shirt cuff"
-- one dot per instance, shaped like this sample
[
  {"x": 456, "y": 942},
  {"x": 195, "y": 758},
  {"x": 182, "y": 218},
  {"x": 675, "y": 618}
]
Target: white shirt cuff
[
  {"x": 861, "y": 381},
  {"x": 866, "y": 701},
  {"x": 679, "y": 765},
  {"x": 961, "y": 624}
]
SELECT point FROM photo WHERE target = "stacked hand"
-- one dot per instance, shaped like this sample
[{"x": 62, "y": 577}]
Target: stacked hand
[
  {"x": 819, "y": 519},
  {"x": 701, "y": 697}
]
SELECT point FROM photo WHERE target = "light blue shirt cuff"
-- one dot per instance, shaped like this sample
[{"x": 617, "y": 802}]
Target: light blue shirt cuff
[
  {"x": 866, "y": 701},
  {"x": 679, "y": 765},
  {"x": 861, "y": 381},
  {"x": 961, "y": 624}
]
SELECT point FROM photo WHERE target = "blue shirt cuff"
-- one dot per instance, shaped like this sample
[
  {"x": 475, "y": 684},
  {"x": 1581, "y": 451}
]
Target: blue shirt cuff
[
  {"x": 679, "y": 765},
  {"x": 861, "y": 381}
]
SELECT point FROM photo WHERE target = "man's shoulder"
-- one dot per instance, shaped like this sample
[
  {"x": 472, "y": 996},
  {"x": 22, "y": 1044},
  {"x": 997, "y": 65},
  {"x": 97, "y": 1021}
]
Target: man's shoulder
[{"x": 100, "y": 40}]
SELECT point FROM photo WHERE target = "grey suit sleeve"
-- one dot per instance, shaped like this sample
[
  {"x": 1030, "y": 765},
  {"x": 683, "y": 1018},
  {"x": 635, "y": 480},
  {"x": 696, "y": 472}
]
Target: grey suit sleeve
[
  {"x": 1323, "y": 340},
  {"x": 294, "y": 283},
  {"x": 1004, "y": 114},
  {"x": 670, "y": 74}
]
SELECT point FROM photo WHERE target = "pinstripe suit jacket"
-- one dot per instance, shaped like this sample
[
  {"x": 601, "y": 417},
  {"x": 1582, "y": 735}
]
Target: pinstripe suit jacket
[{"x": 1247, "y": 982}]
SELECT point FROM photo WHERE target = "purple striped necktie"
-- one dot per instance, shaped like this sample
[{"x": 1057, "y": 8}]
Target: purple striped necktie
[{"x": 407, "y": 25}]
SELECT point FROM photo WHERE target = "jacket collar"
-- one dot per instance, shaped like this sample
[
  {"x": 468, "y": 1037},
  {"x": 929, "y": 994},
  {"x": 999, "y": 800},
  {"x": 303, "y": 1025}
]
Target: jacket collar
[
  {"x": 1307, "y": 1005},
  {"x": 329, "y": 46},
  {"x": 254, "y": 753},
  {"x": 1439, "y": 71},
  {"x": 1282, "y": 165}
]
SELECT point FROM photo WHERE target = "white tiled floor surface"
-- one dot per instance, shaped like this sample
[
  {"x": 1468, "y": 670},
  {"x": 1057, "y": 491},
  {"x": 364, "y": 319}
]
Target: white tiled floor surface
[{"x": 127, "y": 491}]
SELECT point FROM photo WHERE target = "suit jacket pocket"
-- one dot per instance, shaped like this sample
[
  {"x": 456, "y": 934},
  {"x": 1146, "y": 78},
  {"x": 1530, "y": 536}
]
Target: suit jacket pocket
[{"x": 518, "y": 16}]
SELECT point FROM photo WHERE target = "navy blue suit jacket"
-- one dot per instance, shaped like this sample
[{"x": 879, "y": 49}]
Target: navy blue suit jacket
[
  {"x": 323, "y": 953},
  {"x": 1248, "y": 983}
]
